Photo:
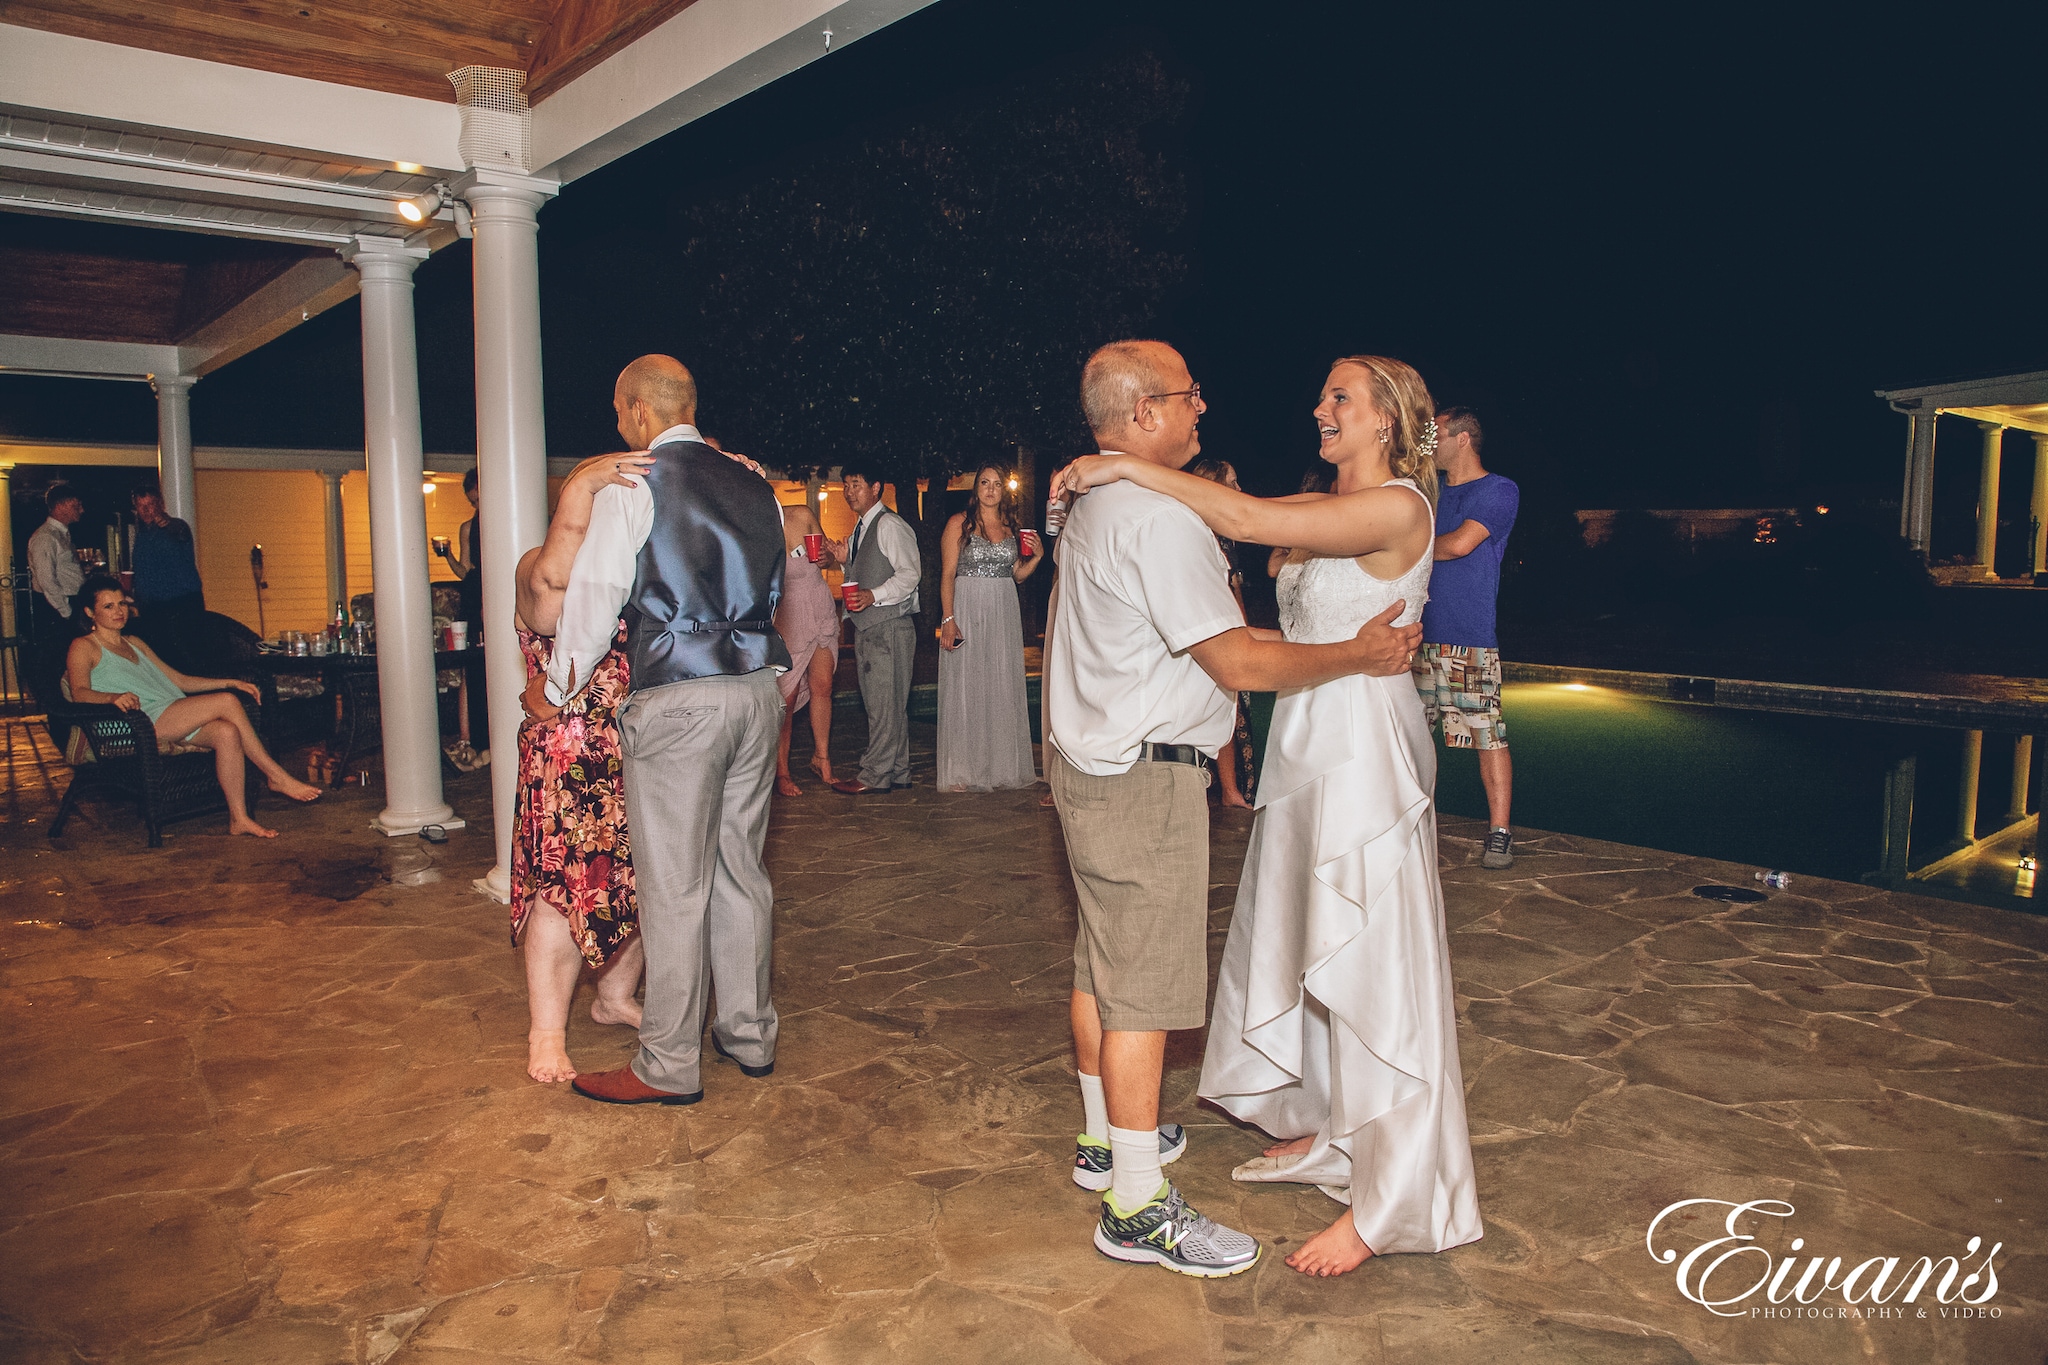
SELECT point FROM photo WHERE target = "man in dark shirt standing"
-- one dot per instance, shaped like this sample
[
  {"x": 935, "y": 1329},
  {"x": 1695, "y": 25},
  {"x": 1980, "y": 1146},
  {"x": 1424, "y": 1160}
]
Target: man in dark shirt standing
[
  {"x": 1457, "y": 670},
  {"x": 167, "y": 587}
]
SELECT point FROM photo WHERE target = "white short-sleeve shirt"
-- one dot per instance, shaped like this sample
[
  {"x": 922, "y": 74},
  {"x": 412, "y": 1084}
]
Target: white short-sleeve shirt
[{"x": 1141, "y": 581}]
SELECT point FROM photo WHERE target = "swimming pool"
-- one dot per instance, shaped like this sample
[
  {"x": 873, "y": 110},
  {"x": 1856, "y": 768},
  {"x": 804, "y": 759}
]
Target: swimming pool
[{"x": 1804, "y": 794}]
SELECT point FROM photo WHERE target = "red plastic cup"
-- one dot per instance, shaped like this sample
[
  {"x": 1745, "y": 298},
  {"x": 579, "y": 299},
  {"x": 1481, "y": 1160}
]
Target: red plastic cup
[
  {"x": 847, "y": 590},
  {"x": 814, "y": 547},
  {"x": 1027, "y": 543}
]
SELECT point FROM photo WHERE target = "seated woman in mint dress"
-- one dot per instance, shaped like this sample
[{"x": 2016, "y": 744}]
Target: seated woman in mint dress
[{"x": 106, "y": 667}]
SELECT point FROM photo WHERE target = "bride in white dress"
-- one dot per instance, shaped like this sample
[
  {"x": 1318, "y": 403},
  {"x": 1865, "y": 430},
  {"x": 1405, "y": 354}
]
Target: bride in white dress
[{"x": 1334, "y": 1026}]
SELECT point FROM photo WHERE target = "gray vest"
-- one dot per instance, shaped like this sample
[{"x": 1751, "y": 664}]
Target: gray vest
[{"x": 871, "y": 569}]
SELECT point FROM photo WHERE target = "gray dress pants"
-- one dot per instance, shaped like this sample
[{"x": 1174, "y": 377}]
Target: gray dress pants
[
  {"x": 700, "y": 761},
  {"x": 884, "y": 654}
]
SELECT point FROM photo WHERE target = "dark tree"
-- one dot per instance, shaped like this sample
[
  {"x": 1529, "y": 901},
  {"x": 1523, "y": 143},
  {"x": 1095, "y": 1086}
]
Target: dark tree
[{"x": 922, "y": 295}]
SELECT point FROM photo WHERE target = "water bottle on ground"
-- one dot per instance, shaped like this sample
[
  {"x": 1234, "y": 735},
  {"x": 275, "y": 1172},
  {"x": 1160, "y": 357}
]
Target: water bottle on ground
[{"x": 1777, "y": 881}]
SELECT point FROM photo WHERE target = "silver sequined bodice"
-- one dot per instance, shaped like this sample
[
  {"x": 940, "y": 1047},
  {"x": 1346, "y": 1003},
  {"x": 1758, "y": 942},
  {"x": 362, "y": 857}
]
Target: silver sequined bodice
[
  {"x": 979, "y": 559},
  {"x": 1325, "y": 601}
]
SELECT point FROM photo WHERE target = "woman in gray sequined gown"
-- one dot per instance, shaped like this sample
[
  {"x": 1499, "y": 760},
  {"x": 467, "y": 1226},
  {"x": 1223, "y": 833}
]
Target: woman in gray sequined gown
[{"x": 984, "y": 720}]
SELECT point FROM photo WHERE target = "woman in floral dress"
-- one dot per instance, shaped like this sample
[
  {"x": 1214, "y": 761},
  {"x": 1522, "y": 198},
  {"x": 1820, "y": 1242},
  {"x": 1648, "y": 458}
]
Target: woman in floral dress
[{"x": 571, "y": 852}]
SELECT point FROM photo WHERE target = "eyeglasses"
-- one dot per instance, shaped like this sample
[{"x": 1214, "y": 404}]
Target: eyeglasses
[{"x": 1193, "y": 394}]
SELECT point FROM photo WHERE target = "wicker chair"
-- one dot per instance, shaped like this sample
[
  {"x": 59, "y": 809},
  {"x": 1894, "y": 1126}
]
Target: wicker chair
[{"x": 127, "y": 758}]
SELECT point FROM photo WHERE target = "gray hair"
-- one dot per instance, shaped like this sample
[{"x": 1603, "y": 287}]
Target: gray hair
[{"x": 1115, "y": 378}]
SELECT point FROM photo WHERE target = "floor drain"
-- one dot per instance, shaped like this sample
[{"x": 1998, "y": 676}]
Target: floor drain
[{"x": 1727, "y": 893}]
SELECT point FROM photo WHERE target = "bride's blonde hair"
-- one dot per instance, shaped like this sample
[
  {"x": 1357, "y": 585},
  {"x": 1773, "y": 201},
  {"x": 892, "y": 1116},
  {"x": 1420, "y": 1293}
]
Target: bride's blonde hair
[{"x": 1401, "y": 396}]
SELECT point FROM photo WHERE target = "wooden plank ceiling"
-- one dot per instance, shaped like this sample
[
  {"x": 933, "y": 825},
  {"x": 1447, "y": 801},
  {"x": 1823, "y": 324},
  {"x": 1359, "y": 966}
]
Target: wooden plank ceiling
[
  {"x": 102, "y": 282},
  {"x": 405, "y": 47}
]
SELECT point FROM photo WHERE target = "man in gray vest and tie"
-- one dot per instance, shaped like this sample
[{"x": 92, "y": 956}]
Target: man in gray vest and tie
[
  {"x": 881, "y": 557},
  {"x": 693, "y": 557}
]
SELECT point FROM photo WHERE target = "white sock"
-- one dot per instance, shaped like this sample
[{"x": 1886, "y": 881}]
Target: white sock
[
  {"x": 1134, "y": 1175},
  {"x": 1094, "y": 1108}
]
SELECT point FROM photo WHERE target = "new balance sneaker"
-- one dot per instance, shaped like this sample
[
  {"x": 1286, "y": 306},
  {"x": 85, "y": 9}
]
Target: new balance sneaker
[
  {"x": 1092, "y": 1163},
  {"x": 1500, "y": 849},
  {"x": 1167, "y": 1232}
]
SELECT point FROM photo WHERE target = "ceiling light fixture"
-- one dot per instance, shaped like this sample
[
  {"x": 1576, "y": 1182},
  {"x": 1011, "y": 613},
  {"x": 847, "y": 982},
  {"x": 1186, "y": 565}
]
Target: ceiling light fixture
[{"x": 421, "y": 207}]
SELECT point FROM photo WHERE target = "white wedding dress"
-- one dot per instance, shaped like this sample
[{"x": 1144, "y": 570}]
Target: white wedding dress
[{"x": 1334, "y": 1014}]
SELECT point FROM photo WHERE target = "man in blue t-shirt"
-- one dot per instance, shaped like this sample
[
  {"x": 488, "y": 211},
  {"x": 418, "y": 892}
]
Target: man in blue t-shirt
[{"x": 1457, "y": 669}]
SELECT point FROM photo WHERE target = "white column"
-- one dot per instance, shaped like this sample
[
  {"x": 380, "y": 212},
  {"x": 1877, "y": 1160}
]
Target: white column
[
  {"x": 2022, "y": 778},
  {"x": 1918, "y": 512},
  {"x": 337, "y": 540},
  {"x": 511, "y": 453},
  {"x": 1987, "y": 497},
  {"x": 174, "y": 447},
  {"x": 1966, "y": 788},
  {"x": 398, "y": 537},
  {"x": 2040, "y": 503}
]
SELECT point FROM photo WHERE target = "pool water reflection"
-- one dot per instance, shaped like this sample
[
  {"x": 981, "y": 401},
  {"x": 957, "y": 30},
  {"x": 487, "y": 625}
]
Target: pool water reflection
[{"x": 1803, "y": 794}]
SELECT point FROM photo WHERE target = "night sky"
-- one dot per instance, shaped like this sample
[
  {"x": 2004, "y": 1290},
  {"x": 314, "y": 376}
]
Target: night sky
[{"x": 1667, "y": 258}]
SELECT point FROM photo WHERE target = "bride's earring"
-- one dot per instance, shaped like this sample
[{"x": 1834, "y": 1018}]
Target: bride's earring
[{"x": 1384, "y": 431}]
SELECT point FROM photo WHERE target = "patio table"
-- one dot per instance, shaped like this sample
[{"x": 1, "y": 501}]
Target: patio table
[{"x": 353, "y": 679}]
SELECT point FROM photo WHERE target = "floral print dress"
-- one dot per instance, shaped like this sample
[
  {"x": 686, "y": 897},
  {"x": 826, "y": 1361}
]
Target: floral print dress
[{"x": 570, "y": 849}]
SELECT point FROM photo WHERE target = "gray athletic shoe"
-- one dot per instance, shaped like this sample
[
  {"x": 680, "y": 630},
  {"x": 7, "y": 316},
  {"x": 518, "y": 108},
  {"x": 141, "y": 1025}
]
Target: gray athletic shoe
[
  {"x": 1500, "y": 849},
  {"x": 1092, "y": 1163},
  {"x": 1167, "y": 1232}
]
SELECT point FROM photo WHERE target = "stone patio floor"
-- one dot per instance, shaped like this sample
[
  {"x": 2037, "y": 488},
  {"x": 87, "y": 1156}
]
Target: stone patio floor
[{"x": 268, "y": 1103}]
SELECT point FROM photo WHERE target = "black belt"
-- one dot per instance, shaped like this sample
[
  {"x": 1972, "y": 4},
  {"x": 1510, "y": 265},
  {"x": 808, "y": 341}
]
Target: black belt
[
  {"x": 1172, "y": 753},
  {"x": 712, "y": 627}
]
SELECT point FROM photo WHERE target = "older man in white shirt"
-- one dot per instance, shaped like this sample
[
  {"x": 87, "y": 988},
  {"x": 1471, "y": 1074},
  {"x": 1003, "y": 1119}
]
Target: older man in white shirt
[
  {"x": 693, "y": 557},
  {"x": 54, "y": 573},
  {"x": 1146, "y": 653},
  {"x": 881, "y": 558}
]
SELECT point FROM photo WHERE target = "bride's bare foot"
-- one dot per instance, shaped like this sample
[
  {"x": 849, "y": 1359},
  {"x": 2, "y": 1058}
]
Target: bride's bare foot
[
  {"x": 625, "y": 1011},
  {"x": 547, "y": 1056},
  {"x": 822, "y": 767},
  {"x": 294, "y": 789},
  {"x": 249, "y": 827},
  {"x": 1234, "y": 801},
  {"x": 1295, "y": 1148},
  {"x": 1334, "y": 1250},
  {"x": 785, "y": 785}
]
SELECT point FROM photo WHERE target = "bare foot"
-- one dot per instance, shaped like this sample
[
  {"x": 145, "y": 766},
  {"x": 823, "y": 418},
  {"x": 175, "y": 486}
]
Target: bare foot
[
  {"x": 547, "y": 1056},
  {"x": 1294, "y": 1148},
  {"x": 294, "y": 789},
  {"x": 249, "y": 827},
  {"x": 1234, "y": 800},
  {"x": 822, "y": 767},
  {"x": 625, "y": 1011},
  {"x": 1046, "y": 800},
  {"x": 1334, "y": 1250},
  {"x": 785, "y": 785}
]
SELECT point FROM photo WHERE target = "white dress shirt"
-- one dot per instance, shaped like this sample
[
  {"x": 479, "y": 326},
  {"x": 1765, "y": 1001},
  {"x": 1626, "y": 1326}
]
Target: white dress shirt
[
  {"x": 899, "y": 546},
  {"x": 602, "y": 577},
  {"x": 53, "y": 567},
  {"x": 1141, "y": 581}
]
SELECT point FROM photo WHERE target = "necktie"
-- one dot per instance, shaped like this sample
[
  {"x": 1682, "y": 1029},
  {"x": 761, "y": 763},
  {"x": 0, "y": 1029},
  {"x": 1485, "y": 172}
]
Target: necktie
[{"x": 853, "y": 548}]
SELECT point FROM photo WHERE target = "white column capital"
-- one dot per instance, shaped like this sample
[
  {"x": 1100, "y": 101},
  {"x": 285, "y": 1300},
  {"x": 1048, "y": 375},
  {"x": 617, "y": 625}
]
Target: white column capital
[
  {"x": 377, "y": 257},
  {"x": 1992, "y": 428},
  {"x": 175, "y": 383},
  {"x": 503, "y": 195}
]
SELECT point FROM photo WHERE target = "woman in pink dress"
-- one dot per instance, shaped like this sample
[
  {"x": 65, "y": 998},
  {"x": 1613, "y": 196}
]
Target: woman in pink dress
[{"x": 809, "y": 621}]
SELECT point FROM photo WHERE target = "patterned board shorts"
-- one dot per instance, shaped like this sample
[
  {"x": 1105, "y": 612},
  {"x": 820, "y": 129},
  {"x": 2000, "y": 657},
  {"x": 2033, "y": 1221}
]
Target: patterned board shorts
[{"x": 1460, "y": 685}]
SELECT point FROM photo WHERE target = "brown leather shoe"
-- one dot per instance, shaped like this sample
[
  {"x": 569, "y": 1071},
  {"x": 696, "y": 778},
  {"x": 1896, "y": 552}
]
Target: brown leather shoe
[
  {"x": 624, "y": 1087},
  {"x": 853, "y": 786}
]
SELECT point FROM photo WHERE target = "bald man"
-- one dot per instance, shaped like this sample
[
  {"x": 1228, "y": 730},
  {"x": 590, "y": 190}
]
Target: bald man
[{"x": 693, "y": 557}]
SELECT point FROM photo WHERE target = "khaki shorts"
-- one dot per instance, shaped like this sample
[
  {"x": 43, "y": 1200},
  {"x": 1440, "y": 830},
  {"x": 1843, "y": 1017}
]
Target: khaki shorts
[
  {"x": 1138, "y": 843},
  {"x": 1460, "y": 687}
]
